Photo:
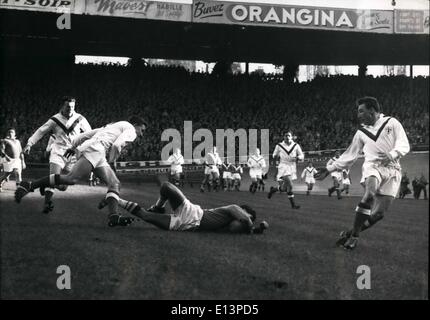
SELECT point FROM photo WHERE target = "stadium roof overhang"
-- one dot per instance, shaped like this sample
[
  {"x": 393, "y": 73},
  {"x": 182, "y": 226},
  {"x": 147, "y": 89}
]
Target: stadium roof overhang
[{"x": 30, "y": 33}]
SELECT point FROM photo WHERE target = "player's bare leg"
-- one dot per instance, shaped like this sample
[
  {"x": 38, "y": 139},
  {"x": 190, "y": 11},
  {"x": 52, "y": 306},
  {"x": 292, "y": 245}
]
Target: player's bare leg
[
  {"x": 381, "y": 205},
  {"x": 80, "y": 170},
  {"x": 345, "y": 188},
  {"x": 49, "y": 192},
  {"x": 280, "y": 188},
  {"x": 261, "y": 184},
  {"x": 237, "y": 182},
  {"x": 336, "y": 187},
  {"x": 204, "y": 183},
  {"x": 4, "y": 177},
  {"x": 310, "y": 187},
  {"x": 289, "y": 188},
  {"x": 108, "y": 176},
  {"x": 150, "y": 215},
  {"x": 253, "y": 187},
  {"x": 216, "y": 180}
]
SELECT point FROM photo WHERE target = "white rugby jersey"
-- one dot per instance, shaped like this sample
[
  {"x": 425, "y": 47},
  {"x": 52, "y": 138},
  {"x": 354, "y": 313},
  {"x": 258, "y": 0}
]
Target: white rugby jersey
[
  {"x": 175, "y": 161},
  {"x": 118, "y": 134},
  {"x": 385, "y": 136},
  {"x": 62, "y": 130},
  {"x": 288, "y": 154},
  {"x": 212, "y": 158},
  {"x": 332, "y": 160},
  {"x": 256, "y": 162},
  {"x": 309, "y": 172}
]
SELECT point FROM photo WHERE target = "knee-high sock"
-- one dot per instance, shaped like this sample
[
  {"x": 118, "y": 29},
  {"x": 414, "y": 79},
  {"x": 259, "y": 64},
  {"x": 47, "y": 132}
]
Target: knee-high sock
[
  {"x": 373, "y": 219},
  {"x": 291, "y": 198},
  {"x": 112, "y": 198},
  {"x": 362, "y": 213},
  {"x": 49, "y": 181},
  {"x": 49, "y": 193},
  {"x": 130, "y": 206}
]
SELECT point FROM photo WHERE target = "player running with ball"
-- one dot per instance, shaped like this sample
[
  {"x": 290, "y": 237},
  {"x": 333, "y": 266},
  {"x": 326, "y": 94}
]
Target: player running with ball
[
  {"x": 94, "y": 150},
  {"x": 383, "y": 141}
]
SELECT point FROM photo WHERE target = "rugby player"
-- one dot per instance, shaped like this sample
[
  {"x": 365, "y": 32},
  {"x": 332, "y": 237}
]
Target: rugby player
[
  {"x": 92, "y": 149},
  {"x": 289, "y": 153},
  {"x": 11, "y": 151},
  {"x": 383, "y": 141},
  {"x": 62, "y": 127},
  {"x": 187, "y": 216}
]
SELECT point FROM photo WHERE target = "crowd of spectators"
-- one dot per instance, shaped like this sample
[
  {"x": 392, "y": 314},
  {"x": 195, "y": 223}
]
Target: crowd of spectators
[{"x": 320, "y": 113}]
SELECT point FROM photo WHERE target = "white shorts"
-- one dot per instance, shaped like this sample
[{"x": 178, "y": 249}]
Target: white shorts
[
  {"x": 255, "y": 173},
  {"x": 346, "y": 181},
  {"x": 285, "y": 169},
  {"x": 226, "y": 175},
  {"x": 337, "y": 175},
  {"x": 58, "y": 158},
  {"x": 11, "y": 165},
  {"x": 236, "y": 176},
  {"x": 310, "y": 180},
  {"x": 212, "y": 169},
  {"x": 95, "y": 153},
  {"x": 174, "y": 171},
  {"x": 186, "y": 216},
  {"x": 389, "y": 178}
]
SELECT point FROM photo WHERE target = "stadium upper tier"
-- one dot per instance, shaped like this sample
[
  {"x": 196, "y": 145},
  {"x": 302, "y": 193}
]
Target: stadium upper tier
[
  {"x": 216, "y": 30},
  {"x": 321, "y": 113}
]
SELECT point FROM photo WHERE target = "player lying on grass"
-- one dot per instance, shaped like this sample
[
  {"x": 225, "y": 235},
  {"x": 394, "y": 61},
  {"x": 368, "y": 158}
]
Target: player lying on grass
[
  {"x": 187, "y": 216},
  {"x": 91, "y": 149},
  {"x": 383, "y": 141}
]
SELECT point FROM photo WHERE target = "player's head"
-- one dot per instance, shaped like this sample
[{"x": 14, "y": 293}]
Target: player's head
[
  {"x": 257, "y": 152},
  {"x": 288, "y": 136},
  {"x": 310, "y": 164},
  {"x": 11, "y": 133},
  {"x": 214, "y": 150},
  {"x": 368, "y": 110},
  {"x": 68, "y": 106},
  {"x": 337, "y": 154},
  {"x": 139, "y": 125},
  {"x": 250, "y": 211},
  {"x": 178, "y": 151}
]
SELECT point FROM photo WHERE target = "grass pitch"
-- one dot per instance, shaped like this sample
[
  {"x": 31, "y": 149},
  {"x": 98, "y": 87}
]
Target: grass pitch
[{"x": 294, "y": 259}]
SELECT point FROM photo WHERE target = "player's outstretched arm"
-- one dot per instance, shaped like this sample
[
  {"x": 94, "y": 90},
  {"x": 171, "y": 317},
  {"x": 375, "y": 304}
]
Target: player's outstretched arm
[
  {"x": 38, "y": 134},
  {"x": 79, "y": 139},
  {"x": 241, "y": 215}
]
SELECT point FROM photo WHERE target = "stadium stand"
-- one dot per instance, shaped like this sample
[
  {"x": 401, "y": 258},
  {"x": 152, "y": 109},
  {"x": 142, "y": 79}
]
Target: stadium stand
[{"x": 319, "y": 112}]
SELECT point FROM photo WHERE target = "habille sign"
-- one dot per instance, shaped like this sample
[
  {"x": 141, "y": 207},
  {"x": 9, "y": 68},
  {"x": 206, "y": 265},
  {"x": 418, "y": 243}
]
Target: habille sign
[{"x": 140, "y": 9}]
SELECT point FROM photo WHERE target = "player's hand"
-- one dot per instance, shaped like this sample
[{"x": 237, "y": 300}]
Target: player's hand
[
  {"x": 322, "y": 173},
  {"x": 26, "y": 149},
  {"x": 23, "y": 165},
  {"x": 69, "y": 153},
  {"x": 385, "y": 158}
]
